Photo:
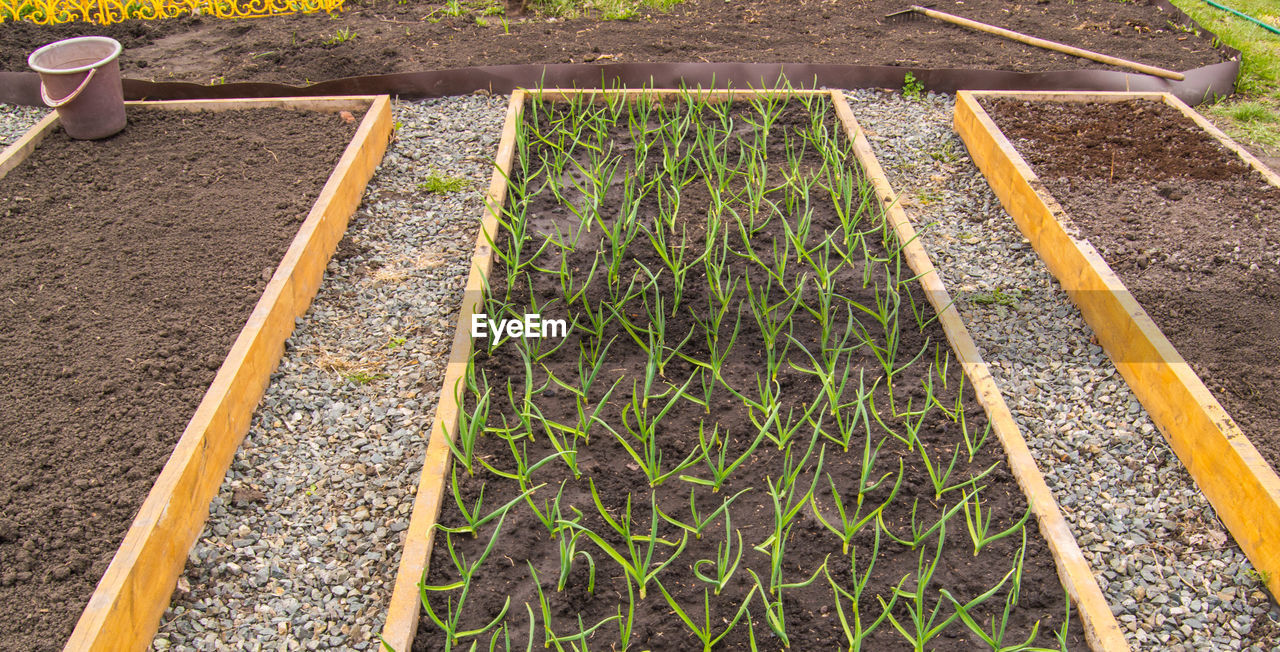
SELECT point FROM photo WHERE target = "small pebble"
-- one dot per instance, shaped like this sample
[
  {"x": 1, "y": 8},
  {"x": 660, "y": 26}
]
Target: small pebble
[{"x": 15, "y": 121}]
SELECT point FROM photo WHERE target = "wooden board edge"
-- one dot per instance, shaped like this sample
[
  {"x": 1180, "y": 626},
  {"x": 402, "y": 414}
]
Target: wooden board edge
[
  {"x": 1069, "y": 96},
  {"x": 401, "y": 625},
  {"x": 712, "y": 95},
  {"x": 20, "y": 149},
  {"x": 125, "y": 609},
  {"x": 1101, "y": 629},
  {"x": 1243, "y": 489},
  {"x": 326, "y": 103}
]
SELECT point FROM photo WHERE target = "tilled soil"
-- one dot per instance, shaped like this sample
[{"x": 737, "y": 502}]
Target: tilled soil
[
  {"x": 1192, "y": 231},
  {"x": 812, "y": 623},
  {"x": 417, "y": 35},
  {"x": 128, "y": 267}
]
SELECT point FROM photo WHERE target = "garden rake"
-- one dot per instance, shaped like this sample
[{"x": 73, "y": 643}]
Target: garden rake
[{"x": 916, "y": 10}]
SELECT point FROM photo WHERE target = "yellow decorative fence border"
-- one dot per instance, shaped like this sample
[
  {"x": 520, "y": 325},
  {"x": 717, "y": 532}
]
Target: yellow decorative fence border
[{"x": 106, "y": 12}]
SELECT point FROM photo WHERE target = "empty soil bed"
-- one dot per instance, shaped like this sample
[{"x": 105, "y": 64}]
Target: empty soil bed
[
  {"x": 128, "y": 267},
  {"x": 811, "y": 614},
  {"x": 1192, "y": 231},
  {"x": 412, "y": 35}
]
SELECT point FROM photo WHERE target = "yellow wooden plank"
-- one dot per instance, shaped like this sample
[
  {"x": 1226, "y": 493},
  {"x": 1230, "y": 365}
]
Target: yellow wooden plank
[
  {"x": 402, "y": 613},
  {"x": 1069, "y": 96},
  {"x": 1242, "y": 488},
  {"x": 124, "y": 611},
  {"x": 632, "y": 94},
  {"x": 22, "y": 148},
  {"x": 1100, "y": 627},
  {"x": 327, "y": 103}
]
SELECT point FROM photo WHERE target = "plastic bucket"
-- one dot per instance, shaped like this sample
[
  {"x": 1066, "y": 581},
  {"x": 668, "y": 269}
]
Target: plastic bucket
[{"x": 80, "y": 77}]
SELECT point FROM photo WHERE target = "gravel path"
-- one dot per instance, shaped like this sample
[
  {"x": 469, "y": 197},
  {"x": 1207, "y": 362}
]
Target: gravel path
[
  {"x": 1173, "y": 577},
  {"x": 303, "y": 541},
  {"x": 16, "y": 120}
]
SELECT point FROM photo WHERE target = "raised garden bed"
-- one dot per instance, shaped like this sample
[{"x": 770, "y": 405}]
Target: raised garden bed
[
  {"x": 132, "y": 264},
  {"x": 1153, "y": 220},
  {"x": 649, "y": 305}
]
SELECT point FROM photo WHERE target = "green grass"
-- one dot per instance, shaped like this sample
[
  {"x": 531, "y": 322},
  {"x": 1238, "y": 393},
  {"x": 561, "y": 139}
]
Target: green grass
[
  {"x": 1250, "y": 112},
  {"x": 1253, "y": 116},
  {"x": 927, "y": 197},
  {"x": 1252, "y": 121},
  {"x": 946, "y": 153},
  {"x": 364, "y": 377},
  {"x": 1260, "y": 71},
  {"x": 1259, "y": 575},
  {"x": 996, "y": 297},
  {"x": 912, "y": 87},
  {"x": 435, "y": 184},
  {"x": 342, "y": 35}
]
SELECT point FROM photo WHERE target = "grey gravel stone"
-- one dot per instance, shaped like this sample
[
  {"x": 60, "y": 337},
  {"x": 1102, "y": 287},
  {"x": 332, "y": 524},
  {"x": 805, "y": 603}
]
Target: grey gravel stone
[
  {"x": 16, "y": 120},
  {"x": 338, "y": 439},
  {"x": 1153, "y": 540}
]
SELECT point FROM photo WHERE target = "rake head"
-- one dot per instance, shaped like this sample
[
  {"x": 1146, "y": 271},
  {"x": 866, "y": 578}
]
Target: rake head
[{"x": 914, "y": 12}]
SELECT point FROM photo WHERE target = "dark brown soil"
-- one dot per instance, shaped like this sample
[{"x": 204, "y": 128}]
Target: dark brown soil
[
  {"x": 811, "y": 618},
  {"x": 1192, "y": 231},
  {"x": 417, "y": 35},
  {"x": 127, "y": 267}
]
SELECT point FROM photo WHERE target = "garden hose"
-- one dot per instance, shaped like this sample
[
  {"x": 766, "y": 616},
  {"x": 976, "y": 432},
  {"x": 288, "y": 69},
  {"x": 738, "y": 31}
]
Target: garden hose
[{"x": 1247, "y": 17}]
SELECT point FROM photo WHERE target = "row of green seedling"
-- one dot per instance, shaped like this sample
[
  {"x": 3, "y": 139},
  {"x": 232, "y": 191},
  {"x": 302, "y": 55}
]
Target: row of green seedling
[{"x": 573, "y": 154}]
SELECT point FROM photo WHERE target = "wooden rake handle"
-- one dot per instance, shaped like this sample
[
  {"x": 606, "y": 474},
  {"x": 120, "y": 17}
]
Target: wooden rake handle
[{"x": 1049, "y": 45}]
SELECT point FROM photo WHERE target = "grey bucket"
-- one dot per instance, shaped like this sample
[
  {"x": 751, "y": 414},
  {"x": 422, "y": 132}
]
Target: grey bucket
[{"x": 80, "y": 77}]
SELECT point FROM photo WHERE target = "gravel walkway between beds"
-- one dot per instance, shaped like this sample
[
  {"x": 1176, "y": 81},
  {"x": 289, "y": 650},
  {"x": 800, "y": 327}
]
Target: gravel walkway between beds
[
  {"x": 16, "y": 120},
  {"x": 303, "y": 542},
  {"x": 1171, "y": 574}
]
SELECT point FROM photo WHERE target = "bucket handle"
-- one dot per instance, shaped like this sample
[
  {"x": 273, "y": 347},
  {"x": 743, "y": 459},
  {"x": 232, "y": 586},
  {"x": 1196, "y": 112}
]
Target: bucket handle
[{"x": 53, "y": 104}]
